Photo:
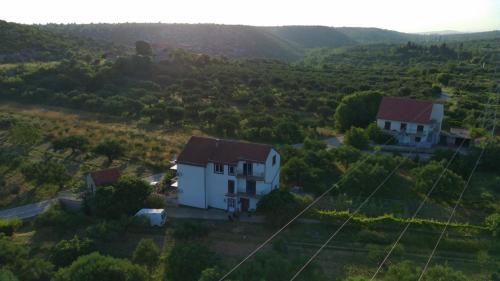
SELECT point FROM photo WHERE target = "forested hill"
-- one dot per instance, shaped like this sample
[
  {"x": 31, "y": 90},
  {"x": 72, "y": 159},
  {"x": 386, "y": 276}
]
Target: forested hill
[
  {"x": 312, "y": 36},
  {"x": 228, "y": 40},
  {"x": 25, "y": 43}
]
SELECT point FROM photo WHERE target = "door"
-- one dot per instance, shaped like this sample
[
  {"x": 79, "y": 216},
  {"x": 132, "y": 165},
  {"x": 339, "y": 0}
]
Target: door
[{"x": 244, "y": 204}]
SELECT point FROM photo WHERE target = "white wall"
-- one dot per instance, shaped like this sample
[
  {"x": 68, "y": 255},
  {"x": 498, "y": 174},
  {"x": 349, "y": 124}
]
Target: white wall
[
  {"x": 217, "y": 186},
  {"x": 191, "y": 186}
]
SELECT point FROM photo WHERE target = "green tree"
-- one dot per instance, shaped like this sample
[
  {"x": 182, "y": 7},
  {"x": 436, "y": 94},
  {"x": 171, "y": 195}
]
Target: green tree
[
  {"x": 67, "y": 251},
  {"x": 75, "y": 143},
  {"x": 447, "y": 188},
  {"x": 378, "y": 136},
  {"x": 7, "y": 275},
  {"x": 296, "y": 171},
  {"x": 143, "y": 48},
  {"x": 358, "y": 110},
  {"x": 146, "y": 253},
  {"x": 279, "y": 206},
  {"x": 127, "y": 196},
  {"x": 36, "y": 269},
  {"x": 103, "y": 268},
  {"x": 186, "y": 261},
  {"x": 211, "y": 274},
  {"x": 112, "y": 149},
  {"x": 356, "y": 137},
  {"x": 347, "y": 154}
]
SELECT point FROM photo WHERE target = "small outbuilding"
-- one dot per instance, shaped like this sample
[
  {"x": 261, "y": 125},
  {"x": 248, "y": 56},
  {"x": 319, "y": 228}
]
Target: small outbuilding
[
  {"x": 156, "y": 217},
  {"x": 101, "y": 178}
]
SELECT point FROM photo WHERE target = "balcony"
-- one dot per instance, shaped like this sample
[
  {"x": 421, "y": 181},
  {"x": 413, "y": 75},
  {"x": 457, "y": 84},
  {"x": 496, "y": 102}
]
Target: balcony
[{"x": 250, "y": 176}]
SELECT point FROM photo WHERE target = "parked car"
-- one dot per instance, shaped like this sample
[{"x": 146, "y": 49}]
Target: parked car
[{"x": 156, "y": 217}]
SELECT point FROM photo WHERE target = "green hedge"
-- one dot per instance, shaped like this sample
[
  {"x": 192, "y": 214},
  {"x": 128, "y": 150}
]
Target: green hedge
[{"x": 389, "y": 221}]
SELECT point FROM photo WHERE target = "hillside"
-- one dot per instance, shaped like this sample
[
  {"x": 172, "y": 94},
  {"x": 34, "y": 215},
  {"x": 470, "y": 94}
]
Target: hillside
[
  {"x": 312, "y": 36},
  {"x": 241, "y": 41},
  {"x": 26, "y": 43},
  {"x": 226, "y": 40}
]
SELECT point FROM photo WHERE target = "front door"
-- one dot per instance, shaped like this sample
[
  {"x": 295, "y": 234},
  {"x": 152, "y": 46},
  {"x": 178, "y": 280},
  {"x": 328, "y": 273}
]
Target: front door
[{"x": 244, "y": 204}]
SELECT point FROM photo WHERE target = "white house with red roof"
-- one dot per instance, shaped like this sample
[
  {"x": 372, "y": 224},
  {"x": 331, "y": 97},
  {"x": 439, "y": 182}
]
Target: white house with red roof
[
  {"x": 225, "y": 174},
  {"x": 411, "y": 122}
]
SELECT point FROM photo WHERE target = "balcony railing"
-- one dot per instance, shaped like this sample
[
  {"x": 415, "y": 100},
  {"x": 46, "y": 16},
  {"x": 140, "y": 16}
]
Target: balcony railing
[{"x": 254, "y": 175}]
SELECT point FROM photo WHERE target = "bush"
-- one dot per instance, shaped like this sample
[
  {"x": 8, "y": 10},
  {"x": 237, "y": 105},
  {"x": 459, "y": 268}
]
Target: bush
[
  {"x": 105, "y": 231},
  {"x": 372, "y": 236},
  {"x": 189, "y": 230},
  {"x": 187, "y": 261},
  {"x": 378, "y": 136},
  {"x": 279, "y": 206},
  {"x": 356, "y": 137},
  {"x": 67, "y": 251},
  {"x": 146, "y": 253},
  {"x": 59, "y": 218},
  {"x": 155, "y": 201},
  {"x": 493, "y": 224},
  {"x": 102, "y": 268},
  {"x": 8, "y": 227},
  {"x": 7, "y": 275}
]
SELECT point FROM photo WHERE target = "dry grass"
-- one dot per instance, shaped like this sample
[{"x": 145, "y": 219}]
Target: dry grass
[{"x": 149, "y": 148}]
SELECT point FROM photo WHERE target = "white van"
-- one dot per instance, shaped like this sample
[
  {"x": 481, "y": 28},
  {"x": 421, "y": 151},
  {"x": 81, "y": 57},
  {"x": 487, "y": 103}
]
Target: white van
[{"x": 156, "y": 217}]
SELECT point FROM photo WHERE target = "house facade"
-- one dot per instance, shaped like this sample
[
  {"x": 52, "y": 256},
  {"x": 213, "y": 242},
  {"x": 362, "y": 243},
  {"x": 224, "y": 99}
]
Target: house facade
[
  {"x": 225, "y": 174},
  {"x": 411, "y": 122}
]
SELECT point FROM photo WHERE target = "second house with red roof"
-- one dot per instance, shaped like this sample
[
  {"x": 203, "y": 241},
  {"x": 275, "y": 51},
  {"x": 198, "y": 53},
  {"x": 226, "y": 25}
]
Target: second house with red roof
[{"x": 411, "y": 122}]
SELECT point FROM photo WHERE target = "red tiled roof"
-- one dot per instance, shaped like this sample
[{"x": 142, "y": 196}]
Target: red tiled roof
[
  {"x": 201, "y": 150},
  {"x": 407, "y": 110},
  {"x": 104, "y": 177}
]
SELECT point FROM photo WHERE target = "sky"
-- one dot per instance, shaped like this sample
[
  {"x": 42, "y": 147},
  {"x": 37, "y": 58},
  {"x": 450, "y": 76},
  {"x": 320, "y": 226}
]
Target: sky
[{"x": 400, "y": 15}]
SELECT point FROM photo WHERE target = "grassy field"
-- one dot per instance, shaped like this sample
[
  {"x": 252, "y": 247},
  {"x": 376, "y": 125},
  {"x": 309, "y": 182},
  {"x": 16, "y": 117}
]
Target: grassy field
[{"x": 149, "y": 148}]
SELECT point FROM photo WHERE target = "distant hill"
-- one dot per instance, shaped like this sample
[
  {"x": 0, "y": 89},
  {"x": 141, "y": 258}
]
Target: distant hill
[
  {"x": 24, "y": 43},
  {"x": 212, "y": 39},
  {"x": 312, "y": 36},
  {"x": 56, "y": 41}
]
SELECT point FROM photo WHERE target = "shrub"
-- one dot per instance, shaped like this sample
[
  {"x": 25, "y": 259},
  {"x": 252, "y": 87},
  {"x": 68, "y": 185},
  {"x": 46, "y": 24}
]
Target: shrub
[
  {"x": 493, "y": 224},
  {"x": 59, "y": 218},
  {"x": 66, "y": 251},
  {"x": 146, "y": 253},
  {"x": 8, "y": 227},
  {"x": 378, "y": 136},
  {"x": 356, "y": 137},
  {"x": 189, "y": 230},
  {"x": 279, "y": 206},
  {"x": 103, "y": 268},
  {"x": 155, "y": 201},
  {"x": 187, "y": 261},
  {"x": 7, "y": 275},
  {"x": 105, "y": 231}
]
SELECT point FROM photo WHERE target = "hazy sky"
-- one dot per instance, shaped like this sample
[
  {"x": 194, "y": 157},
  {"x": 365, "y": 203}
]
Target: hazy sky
[{"x": 401, "y": 15}]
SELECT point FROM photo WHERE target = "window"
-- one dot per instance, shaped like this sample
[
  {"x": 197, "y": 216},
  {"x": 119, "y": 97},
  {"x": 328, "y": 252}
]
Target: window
[
  {"x": 247, "y": 169},
  {"x": 403, "y": 126},
  {"x": 417, "y": 139},
  {"x": 387, "y": 125},
  {"x": 231, "y": 170},
  {"x": 218, "y": 168},
  {"x": 230, "y": 186},
  {"x": 251, "y": 187},
  {"x": 274, "y": 160},
  {"x": 420, "y": 128}
]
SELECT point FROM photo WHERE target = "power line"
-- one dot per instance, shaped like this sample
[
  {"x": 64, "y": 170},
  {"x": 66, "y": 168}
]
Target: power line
[
  {"x": 346, "y": 221},
  {"x": 424, "y": 270},
  {"x": 417, "y": 211},
  {"x": 262, "y": 245}
]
